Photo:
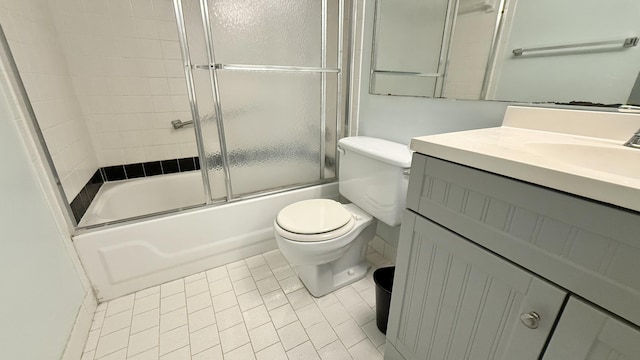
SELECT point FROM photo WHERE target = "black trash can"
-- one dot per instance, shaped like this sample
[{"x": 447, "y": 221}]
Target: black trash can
[{"x": 383, "y": 278}]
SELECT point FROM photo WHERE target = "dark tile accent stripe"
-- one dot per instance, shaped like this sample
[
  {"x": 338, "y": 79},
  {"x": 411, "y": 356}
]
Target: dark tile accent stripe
[{"x": 81, "y": 202}]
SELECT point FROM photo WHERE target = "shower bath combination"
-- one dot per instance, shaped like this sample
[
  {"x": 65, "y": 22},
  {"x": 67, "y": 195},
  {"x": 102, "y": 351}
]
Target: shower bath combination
[{"x": 265, "y": 84}]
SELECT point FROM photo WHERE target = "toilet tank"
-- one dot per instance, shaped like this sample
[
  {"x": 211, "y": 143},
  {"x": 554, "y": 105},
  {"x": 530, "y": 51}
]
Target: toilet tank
[{"x": 374, "y": 176}]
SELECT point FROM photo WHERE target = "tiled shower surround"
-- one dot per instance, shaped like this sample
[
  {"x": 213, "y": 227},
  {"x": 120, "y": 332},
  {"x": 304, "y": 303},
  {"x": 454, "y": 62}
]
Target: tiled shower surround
[{"x": 255, "y": 308}]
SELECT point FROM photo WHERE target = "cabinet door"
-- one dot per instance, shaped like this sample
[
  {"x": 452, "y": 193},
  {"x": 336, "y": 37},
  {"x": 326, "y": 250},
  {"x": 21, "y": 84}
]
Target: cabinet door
[
  {"x": 587, "y": 333},
  {"x": 455, "y": 300}
]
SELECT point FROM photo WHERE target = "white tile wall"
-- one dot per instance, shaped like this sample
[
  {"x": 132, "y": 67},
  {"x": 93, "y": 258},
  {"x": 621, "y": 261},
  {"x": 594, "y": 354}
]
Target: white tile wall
[
  {"x": 125, "y": 62},
  {"x": 222, "y": 313},
  {"x": 38, "y": 52}
]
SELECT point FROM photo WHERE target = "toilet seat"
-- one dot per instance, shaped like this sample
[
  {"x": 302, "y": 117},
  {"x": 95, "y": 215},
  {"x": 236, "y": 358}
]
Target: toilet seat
[{"x": 314, "y": 220}]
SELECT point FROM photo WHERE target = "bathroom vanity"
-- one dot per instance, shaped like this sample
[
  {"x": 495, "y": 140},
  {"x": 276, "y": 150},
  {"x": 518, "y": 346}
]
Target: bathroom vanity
[{"x": 516, "y": 244}]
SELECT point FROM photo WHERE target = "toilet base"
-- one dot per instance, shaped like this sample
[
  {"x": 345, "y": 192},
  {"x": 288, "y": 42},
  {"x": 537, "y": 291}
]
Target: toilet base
[{"x": 321, "y": 279}]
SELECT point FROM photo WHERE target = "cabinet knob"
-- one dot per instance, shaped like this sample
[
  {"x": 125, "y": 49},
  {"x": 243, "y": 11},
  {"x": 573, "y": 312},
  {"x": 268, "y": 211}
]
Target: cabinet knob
[{"x": 530, "y": 320}]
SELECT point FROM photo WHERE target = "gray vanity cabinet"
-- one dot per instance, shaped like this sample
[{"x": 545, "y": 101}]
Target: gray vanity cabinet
[
  {"x": 455, "y": 300},
  {"x": 587, "y": 333},
  {"x": 486, "y": 264}
]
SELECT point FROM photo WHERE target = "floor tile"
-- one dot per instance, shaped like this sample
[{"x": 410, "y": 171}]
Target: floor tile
[
  {"x": 365, "y": 350},
  {"x": 249, "y": 300},
  {"x": 309, "y": 315},
  {"x": 321, "y": 334},
  {"x": 194, "y": 277},
  {"x": 275, "y": 259},
  {"x": 261, "y": 272},
  {"x": 291, "y": 284},
  {"x": 239, "y": 272},
  {"x": 255, "y": 261},
  {"x": 244, "y": 285},
  {"x": 300, "y": 298},
  {"x": 196, "y": 287},
  {"x": 92, "y": 340},
  {"x": 217, "y": 274},
  {"x": 116, "y": 322},
  {"x": 143, "y": 341},
  {"x": 292, "y": 335},
  {"x": 203, "y": 339},
  {"x": 198, "y": 302},
  {"x": 244, "y": 352},
  {"x": 183, "y": 353},
  {"x": 151, "y": 354},
  {"x": 267, "y": 285},
  {"x": 201, "y": 319},
  {"x": 148, "y": 291},
  {"x": 174, "y": 339},
  {"x": 112, "y": 342},
  {"x": 304, "y": 351},
  {"x": 256, "y": 317},
  {"x": 144, "y": 304},
  {"x": 372, "y": 332},
  {"x": 214, "y": 353},
  {"x": 334, "y": 351},
  {"x": 120, "y": 304},
  {"x": 118, "y": 355},
  {"x": 224, "y": 301},
  {"x": 284, "y": 315},
  {"x": 171, "y": 288},
  {"x": 350, "y": 333},
  {"x": 273, "y": 352},
  {"x": 283, "y": 272},
  {"x": 336, "y": 314},
  {"x": 172, "y": 302},
  {"x": 263, "y": 336},
  {"x": 274, "y": 299},
  {"x": 98, "y": 320},
  {"x": 233, "y": 337},
  {"x": 228, "y": 318},
  {"x": 173, "y": 319},
  {"x": 253, "y": 308},
  {"x": 220, "y": 286},
  {"x": 361, "y": 312}
]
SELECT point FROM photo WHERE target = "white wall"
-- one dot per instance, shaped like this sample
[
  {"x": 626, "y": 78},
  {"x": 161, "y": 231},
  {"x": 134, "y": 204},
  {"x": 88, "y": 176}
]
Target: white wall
[
  {"x": 43, "y": 283},
  {"x": 38, "y": 52}
]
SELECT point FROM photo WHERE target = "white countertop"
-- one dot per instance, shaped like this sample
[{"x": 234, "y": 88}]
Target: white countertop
[{"x": 592, "y": 167}]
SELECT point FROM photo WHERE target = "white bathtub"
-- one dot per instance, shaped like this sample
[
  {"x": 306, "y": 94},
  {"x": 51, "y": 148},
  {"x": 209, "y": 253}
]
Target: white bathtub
[
  {"x": 130, "y": 198},
  {"x": 130, "y": 257}
]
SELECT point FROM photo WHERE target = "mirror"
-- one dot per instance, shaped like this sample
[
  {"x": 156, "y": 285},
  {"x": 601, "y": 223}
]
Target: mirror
[{"x": 573, "y": 52}]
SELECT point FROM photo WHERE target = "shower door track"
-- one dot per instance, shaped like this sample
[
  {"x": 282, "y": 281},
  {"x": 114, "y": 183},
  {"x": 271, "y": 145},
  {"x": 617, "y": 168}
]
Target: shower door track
[{"x": 266, "y": 68}]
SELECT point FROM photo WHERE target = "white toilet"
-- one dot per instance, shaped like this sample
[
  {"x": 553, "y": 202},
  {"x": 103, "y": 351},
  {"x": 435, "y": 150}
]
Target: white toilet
[{"x": 325, "y": 241}]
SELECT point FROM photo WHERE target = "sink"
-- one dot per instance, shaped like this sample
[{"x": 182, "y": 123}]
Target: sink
[{"x": 619, "y": 161}]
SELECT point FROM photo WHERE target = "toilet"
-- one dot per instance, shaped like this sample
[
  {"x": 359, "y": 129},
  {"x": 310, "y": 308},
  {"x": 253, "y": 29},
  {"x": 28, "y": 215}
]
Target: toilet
[{"x": 326, "y": 241}]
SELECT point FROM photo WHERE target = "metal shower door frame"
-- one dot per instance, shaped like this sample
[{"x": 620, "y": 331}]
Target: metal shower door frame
[{"x": 213, "y": 69}]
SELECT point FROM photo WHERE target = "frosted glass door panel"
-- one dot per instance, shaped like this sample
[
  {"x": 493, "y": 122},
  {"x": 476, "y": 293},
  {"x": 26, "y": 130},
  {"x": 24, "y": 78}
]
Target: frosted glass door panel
[
  {"x": 267, "y": 32},
  {"x": 272, "y": 126}
]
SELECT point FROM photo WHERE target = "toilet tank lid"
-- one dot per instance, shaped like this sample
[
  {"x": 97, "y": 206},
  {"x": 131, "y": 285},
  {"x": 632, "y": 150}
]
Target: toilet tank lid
[{"x": 379, "y": 149}]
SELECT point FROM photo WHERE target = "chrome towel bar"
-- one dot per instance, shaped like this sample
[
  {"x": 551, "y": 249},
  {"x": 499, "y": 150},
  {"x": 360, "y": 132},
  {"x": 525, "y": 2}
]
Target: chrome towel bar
[
  {"x": 625, "y": 43},
  {"x": 177, "y": 124}
]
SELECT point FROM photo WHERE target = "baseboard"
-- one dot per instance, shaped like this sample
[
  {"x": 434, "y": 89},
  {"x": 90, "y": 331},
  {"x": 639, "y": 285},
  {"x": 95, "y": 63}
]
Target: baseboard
[{"x": 80, "y": 331}]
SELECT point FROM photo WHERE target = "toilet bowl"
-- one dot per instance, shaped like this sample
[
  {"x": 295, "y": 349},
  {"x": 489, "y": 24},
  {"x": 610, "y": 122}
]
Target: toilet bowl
[
  {"x": 329, "y": 259},
  {"x": 326, "y": 241}
]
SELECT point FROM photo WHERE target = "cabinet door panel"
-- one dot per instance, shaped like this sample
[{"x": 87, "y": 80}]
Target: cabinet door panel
[
  {"x": 587, "y": 333},
  {"x": 454, "y": 300}
]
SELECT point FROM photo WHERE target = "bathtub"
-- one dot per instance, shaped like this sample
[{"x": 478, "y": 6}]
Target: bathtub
[
  {"x": 124, "y": 199},
  {"x": 121, "y": 259}
]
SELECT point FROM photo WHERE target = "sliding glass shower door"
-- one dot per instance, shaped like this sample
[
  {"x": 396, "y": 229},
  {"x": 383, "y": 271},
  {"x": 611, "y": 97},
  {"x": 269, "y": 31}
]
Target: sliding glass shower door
[{"x": 268, "y": 86}]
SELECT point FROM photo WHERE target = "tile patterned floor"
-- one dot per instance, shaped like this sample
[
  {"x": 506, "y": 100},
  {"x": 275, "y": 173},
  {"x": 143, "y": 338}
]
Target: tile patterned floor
[{"x": 251, "y": 309}]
